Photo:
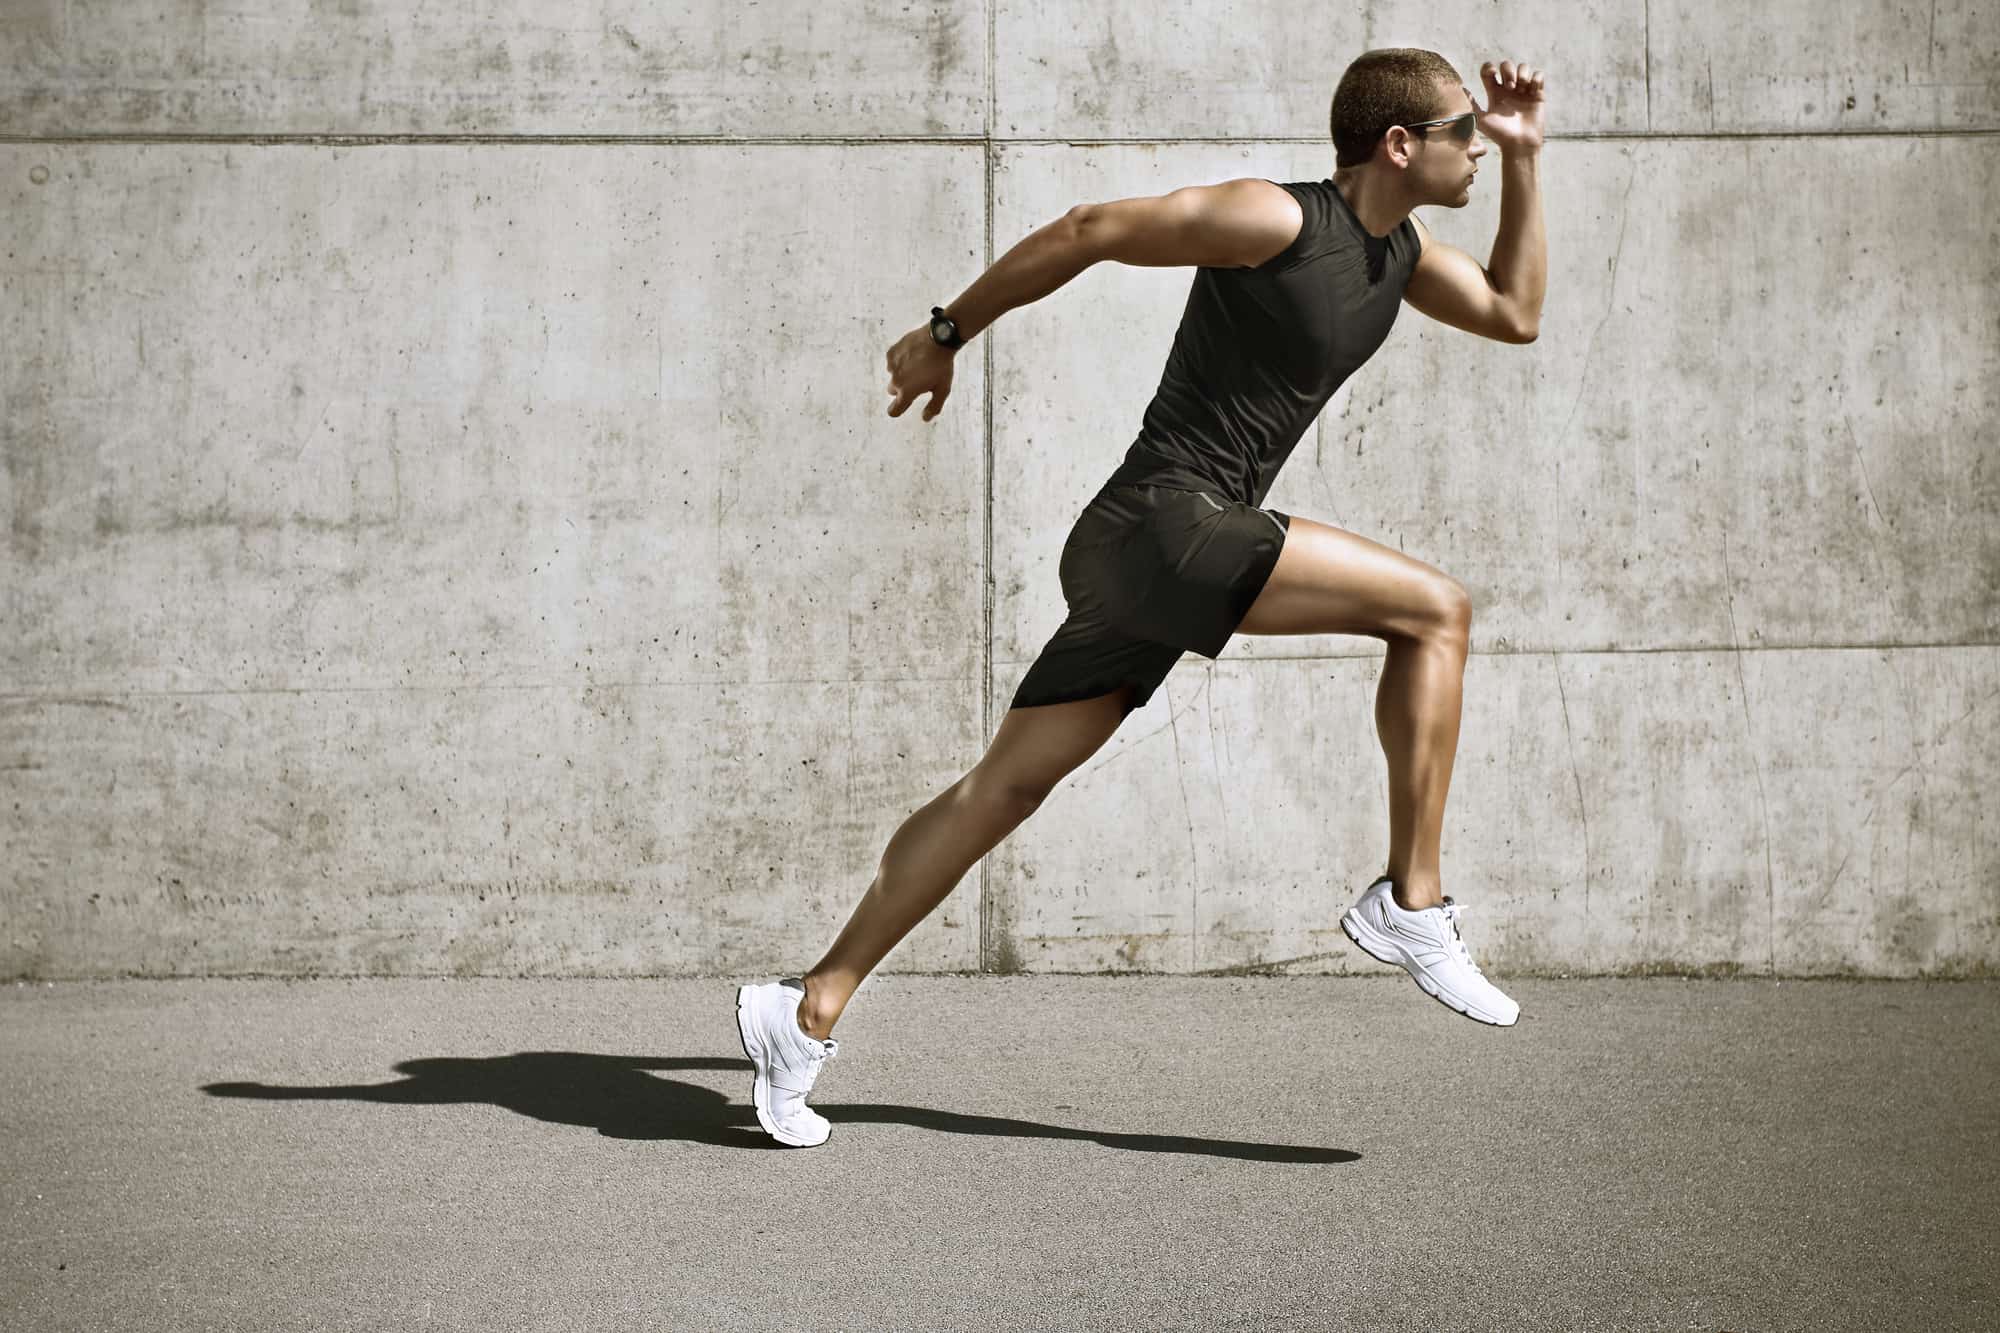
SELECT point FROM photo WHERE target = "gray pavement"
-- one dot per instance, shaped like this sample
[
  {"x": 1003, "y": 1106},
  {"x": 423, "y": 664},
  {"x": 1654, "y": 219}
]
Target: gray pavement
[{"x": 1008, "y": 1152}]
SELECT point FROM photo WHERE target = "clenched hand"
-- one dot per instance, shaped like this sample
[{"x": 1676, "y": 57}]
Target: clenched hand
[{"x": 918, "y": 364}]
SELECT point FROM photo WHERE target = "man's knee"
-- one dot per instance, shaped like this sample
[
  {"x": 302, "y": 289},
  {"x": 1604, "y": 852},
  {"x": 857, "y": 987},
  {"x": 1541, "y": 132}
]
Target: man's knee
[
  {"x": 1455, "y": 608},
  {"x": 1004, "y": 795}
]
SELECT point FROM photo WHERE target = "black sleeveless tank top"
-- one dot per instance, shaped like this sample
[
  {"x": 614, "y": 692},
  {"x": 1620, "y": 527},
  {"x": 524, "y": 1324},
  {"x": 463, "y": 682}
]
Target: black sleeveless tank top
[{"x": 1260, "y": 350}]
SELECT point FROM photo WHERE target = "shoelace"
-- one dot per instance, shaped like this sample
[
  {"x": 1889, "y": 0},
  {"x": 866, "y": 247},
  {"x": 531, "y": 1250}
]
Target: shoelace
[
  {"x": 816, "y": 1058},
  {"x": 1456, "y": 942}
]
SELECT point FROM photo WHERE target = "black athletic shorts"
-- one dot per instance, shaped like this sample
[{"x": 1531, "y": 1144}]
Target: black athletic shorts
[{"x": 1151, "y": 572}]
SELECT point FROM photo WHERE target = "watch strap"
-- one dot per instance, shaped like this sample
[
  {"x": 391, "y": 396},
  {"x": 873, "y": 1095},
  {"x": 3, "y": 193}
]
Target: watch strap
[{"x": 953, "y": 340}]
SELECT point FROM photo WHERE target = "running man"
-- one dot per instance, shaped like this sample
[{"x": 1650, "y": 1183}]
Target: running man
[{"x": 1295, "y": 286}]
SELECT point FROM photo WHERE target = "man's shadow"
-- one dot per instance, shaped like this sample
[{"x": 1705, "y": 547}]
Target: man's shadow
[{"x": 619, "y": 1097}]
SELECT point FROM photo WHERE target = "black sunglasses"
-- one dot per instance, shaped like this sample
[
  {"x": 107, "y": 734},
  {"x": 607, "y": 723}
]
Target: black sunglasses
[{"x": 1462, "y": 126}]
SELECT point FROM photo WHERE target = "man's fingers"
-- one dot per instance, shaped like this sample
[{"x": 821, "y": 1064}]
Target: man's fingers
[
  {"x": 1507, "y": 74},
  {"x": 904, "y": 397}
]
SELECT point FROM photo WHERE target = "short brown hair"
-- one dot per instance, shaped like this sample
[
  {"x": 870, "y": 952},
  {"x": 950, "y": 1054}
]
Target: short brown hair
[{"x": 1395, "y": 85}]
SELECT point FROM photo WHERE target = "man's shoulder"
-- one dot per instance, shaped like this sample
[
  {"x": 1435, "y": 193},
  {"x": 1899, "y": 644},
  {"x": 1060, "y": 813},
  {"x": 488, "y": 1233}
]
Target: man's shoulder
[
  {"x": 1268, "y": 216},
  {"x": 1423, "y": 233}
]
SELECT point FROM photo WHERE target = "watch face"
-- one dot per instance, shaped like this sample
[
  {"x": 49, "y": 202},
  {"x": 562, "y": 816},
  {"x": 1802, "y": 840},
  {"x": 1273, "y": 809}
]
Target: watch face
[{"x": 941, "y": 329}]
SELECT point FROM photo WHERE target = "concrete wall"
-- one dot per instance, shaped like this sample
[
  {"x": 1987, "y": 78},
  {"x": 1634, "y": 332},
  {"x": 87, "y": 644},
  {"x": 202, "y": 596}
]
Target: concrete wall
[{"x": 451, "y": 522}]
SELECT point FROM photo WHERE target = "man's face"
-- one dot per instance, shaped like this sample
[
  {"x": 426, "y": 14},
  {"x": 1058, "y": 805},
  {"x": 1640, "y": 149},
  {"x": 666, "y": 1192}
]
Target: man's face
[{"x": 1446, "y": 166}]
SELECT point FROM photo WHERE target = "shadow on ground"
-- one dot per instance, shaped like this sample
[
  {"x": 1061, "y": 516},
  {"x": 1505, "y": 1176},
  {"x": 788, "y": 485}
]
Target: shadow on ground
[{"x": 620, "y": 1097}]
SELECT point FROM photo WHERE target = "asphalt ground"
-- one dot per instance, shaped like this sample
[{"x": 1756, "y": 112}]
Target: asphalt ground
[{"x": 1044, "y": 1152}]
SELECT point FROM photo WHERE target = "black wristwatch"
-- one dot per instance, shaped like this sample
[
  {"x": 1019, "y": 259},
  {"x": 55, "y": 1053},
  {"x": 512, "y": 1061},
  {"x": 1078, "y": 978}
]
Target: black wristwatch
[{"x": 943, "y": 332}]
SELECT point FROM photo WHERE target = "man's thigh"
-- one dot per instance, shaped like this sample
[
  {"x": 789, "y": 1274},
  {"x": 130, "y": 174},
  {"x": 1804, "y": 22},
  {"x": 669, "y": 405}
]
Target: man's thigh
[
  {"x": 1329, "y": 581},
  {"x": 1035, "y": 748}
]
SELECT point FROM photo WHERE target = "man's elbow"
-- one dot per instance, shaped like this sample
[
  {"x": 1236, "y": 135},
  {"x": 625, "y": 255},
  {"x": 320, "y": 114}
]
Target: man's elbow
[{"x": 1525, "y": 333}]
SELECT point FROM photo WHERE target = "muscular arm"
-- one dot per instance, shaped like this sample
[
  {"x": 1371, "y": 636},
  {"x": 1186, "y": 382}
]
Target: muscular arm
[
  {"x": 1504, "y": 300},
  {"x": 1038, "y": 263},
  {"x": 1520, "y": 259},
  {"x": 1237, "y": 223}
]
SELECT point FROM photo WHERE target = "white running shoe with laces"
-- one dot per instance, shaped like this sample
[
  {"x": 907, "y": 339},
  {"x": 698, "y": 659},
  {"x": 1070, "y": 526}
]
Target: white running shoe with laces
[
  {"x": 1427, "y": 945},
  {"x": 786, "y": 1061}
]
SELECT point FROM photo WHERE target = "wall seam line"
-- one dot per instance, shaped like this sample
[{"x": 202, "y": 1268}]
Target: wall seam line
[
  {"x": 986, "y": 452},
  {"x": 72, "y": 694},
  {"x": 988, "y": 141}
]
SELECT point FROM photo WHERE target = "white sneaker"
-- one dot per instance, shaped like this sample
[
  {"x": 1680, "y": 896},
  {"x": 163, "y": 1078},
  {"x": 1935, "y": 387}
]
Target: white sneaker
[
  {"x": 786, "y": 1060},
  {"x": 1428, "y": 946}
]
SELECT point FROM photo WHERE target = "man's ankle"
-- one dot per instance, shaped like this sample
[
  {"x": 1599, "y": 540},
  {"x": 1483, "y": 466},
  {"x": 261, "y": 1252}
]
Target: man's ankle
[
  {"x": 1416, "y": 898},
  {"x": 811, "y": 1021}
]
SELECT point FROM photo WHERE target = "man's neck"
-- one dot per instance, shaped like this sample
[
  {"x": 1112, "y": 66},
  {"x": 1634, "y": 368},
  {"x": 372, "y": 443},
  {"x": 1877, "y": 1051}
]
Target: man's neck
[{"x": 1368, "y": 197}]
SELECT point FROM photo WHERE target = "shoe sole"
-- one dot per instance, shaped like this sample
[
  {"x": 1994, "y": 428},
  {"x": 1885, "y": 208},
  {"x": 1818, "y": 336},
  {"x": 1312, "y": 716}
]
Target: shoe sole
[
  {"x": 1391, "y": 953},
  {"x": 760, "y": 1085}
]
